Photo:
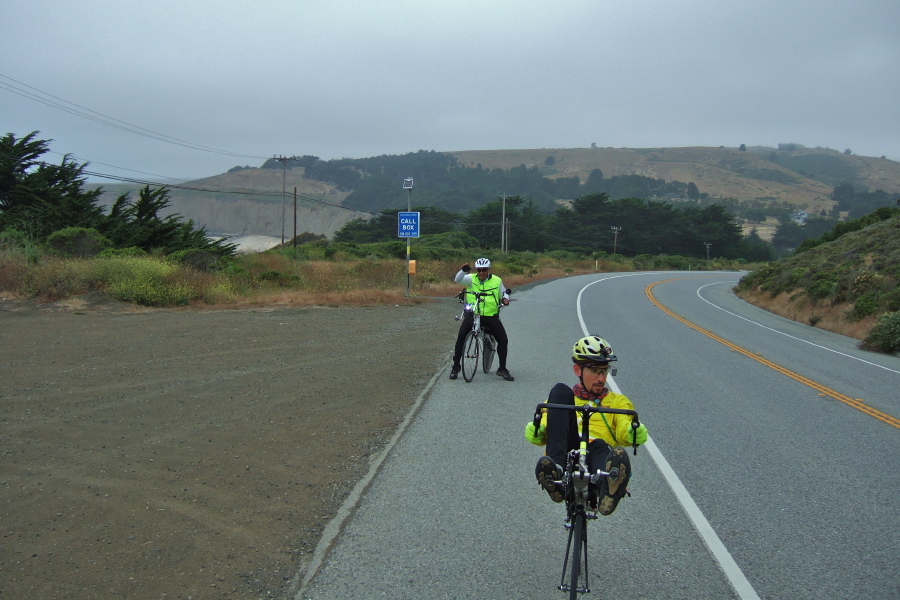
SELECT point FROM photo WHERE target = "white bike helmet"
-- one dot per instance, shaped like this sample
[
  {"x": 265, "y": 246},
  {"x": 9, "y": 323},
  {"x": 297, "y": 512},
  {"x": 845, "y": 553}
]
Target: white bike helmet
[
  {"x": 482, "y": 263},
  {"x": 592, "y": 349}
]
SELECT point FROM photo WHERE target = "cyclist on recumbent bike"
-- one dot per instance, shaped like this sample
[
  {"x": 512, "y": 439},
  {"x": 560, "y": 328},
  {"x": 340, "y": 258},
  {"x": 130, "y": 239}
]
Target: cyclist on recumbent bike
[{"x": 559, "y": 429}]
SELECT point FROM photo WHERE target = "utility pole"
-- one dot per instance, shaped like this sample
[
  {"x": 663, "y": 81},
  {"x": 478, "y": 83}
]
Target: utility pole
[
  {"x": 616, "y": 231},
  {"x": 507, "y": 236},
  {"x": 503, "y": 226},
  {"x": 283, "y": 160}
]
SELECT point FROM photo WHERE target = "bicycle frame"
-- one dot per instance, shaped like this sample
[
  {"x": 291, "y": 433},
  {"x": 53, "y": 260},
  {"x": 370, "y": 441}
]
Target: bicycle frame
[
  {"x": 576, "y": 483},
  {"x": 473, "y": 308}
]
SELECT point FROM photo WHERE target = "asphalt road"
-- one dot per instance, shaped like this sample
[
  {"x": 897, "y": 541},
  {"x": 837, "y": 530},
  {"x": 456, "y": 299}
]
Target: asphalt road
[{"x": 765, "y": 477}]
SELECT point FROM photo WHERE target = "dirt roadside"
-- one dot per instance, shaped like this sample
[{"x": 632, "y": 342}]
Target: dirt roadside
[{"x": 192, "y": 453}]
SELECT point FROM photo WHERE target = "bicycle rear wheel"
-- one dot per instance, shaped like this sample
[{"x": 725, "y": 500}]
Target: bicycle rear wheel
[
  {"x": 471, "y": 355},
  {"x": 488, "y": 349}
]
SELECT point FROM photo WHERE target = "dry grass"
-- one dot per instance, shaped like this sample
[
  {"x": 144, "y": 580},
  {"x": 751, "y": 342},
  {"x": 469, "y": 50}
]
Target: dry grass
[
  {"x": 270, "y": 278},
  {"x": 799, "y": 308},
  {"x": 12, "y": 272},
  {"x": 260, "y": 280}
]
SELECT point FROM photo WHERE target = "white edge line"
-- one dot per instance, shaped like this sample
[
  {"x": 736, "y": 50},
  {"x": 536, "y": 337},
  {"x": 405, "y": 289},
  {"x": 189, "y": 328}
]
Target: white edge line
[
  {"x": 348, "y": 507},
  {"x": 732, "y": 571},
  {"x": 726, "y": 562},
  {"x": 787, "y": 334}
]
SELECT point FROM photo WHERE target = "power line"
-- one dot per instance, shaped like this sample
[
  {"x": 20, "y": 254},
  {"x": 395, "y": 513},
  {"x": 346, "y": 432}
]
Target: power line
[
  {"x": 94, "y": 162},
  {"x": 92, "y": 115},
  {"x": 216, "y": 190},
  {"x": 209, "y": 189}
]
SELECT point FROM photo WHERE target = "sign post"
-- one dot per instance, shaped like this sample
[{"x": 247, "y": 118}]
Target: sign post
[{"x": 410, "y": 228}]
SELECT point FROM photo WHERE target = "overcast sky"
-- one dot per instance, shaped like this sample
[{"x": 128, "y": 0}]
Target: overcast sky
[{"x": 246, "y": 80}]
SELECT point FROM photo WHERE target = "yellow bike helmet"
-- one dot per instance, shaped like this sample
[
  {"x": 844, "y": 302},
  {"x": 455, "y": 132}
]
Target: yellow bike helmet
[{"x": 592, "y": 349}]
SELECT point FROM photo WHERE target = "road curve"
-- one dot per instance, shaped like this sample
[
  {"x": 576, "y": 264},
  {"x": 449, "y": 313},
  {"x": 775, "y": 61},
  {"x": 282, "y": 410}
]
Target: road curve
[{"x": 795, "y": 485}]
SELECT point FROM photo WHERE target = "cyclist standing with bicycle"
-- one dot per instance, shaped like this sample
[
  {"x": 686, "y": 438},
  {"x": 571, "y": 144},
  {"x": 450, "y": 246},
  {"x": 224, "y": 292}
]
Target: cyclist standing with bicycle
[
  {"x": 559, "y": 429},
  {"x": 489, "y": 309}
]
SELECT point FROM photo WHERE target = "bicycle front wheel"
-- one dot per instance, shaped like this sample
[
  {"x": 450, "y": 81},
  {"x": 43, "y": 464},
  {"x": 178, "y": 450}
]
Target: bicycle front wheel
[
  {"x": 579, "y": 549},
  {"x": 471, "y": 355},
  {"x": 488, "y": 350}
]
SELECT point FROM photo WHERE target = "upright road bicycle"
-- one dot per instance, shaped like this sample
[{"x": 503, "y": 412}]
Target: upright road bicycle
[
  {"x": 479, "y": 345},
  {"x": 578, "y": 485}
]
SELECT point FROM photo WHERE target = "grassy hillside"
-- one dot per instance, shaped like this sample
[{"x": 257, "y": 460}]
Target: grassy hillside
[
  {"x": 803, "y": 177},
  {"x": 848, "y": 285}
]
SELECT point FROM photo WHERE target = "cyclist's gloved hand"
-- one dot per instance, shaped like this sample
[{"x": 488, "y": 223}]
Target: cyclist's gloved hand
[
  {"x": 639, "y": 435},
  {"x": 537, "y": 437},
  {"x": 465, "y": 268}
]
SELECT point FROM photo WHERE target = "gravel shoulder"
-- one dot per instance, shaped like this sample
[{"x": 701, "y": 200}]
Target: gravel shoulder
[{"x": 150, "y": 453}]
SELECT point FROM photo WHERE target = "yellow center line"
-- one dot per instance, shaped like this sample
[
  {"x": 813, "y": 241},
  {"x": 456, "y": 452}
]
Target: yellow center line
[{"x": 825, "y": 391}]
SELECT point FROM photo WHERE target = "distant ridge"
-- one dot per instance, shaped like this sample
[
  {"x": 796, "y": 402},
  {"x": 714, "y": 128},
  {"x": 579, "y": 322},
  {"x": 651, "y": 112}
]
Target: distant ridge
[{"x": 799, "y": 176}]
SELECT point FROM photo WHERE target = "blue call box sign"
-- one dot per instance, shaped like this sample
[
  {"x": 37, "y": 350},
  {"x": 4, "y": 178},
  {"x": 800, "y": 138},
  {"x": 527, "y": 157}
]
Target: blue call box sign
[{"x": 408, "y": 224}]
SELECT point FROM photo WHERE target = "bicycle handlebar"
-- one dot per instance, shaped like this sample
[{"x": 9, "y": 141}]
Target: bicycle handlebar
[
  {"x": 586, "y": 411},
  {"x": 478, "y": 296}
]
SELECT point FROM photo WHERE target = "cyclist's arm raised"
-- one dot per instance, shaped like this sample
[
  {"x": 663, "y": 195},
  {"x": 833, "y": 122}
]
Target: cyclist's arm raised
[{"x": 463, "y": 276}]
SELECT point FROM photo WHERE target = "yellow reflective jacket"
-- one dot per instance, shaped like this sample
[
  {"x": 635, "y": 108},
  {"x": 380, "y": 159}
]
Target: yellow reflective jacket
[
  {"x": 615, "y": 430},
  {"x": 489, "y": 305}
]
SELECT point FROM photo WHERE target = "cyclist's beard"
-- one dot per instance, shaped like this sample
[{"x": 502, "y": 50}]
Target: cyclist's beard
[{"x": 596, "y": 390}]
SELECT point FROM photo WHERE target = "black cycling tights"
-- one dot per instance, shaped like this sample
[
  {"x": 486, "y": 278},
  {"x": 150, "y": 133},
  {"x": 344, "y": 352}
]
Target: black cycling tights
[{"x": 492, "y": 325}]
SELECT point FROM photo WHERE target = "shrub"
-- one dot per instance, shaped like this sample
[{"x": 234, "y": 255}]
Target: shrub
[
  {"x": 867, "y": 282},
  {"x": 822, "y": 288},
  {"x": 120, "y": 252},
  {"x": 12, "y": 239},
  {"x": 316, "y": 250},
  {"x": 865, "y": 305},
  {"x": 235, "y": 270},
  {"x": 56, "y": 279},
  {"x": 458, "y": 240},
  {"x": 199, "y": 260},
  {"x": 892, "y": 300},
  {"x": 797, "y": 276},
  {"x": 350, "y": 249},
  {"x": 512, "y": 268},
  {"x": 884, "y": 336},
  {"x": 146, "y": 281},
  {"x": 79, "y": 242},
  {"x": 672, "y": 263},
  {"x": 419, "y": 252},
  {"x": 277, "y": 278},
  {"x": 644, "y": 261}
]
